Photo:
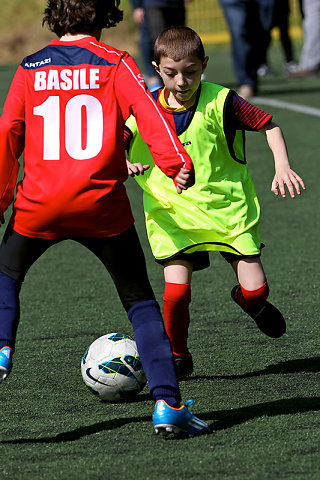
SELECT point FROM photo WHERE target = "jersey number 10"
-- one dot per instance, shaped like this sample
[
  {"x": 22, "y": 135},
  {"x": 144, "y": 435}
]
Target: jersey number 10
[{"x": 77, "y": 147}]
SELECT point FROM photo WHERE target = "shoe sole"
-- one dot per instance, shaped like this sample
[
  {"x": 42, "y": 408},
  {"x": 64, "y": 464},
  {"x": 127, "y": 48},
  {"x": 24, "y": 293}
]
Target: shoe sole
[
  {"x": 167, "y": 430},
  {"x": 3, "y": 374}
]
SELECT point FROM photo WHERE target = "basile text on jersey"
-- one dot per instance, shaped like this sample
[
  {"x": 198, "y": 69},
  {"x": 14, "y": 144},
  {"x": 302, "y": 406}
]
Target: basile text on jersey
[{"x": 67, "y": 79}]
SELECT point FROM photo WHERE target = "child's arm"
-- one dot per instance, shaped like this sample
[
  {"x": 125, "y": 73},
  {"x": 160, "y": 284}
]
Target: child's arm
[
  {"x": 185, "y": 179},
  {"x": 136, "y": 168},
  {"x": 284, "y": 175},
  {"x": 11, "y": 140}
]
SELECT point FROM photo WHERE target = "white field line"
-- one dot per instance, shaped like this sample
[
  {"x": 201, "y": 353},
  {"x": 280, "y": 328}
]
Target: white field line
[{"x": 288, "y": 106}]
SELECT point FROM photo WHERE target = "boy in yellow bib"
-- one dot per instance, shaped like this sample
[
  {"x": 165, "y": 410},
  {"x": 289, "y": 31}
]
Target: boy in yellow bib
[{"x": 221, "y": 211}]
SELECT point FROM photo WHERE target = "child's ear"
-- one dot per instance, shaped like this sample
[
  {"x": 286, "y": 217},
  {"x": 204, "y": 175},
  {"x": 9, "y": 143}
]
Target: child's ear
[
  {"x": 205, "y": 63},
  {"x": 156, "y": 67}
]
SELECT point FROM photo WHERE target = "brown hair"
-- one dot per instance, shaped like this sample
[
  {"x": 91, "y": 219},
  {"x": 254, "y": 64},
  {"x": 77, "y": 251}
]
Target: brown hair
[
  {"x": 81, "y": 16},
  {"x": 178, "y": 43}
]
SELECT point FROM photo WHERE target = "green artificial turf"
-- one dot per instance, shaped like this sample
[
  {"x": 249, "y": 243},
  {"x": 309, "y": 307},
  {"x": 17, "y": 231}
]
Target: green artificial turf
[{"x": 261, "y": 396}]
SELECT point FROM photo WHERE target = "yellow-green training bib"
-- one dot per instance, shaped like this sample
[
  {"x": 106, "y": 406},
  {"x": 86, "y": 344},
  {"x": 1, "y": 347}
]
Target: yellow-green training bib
[{"x": 221, "y": 211}]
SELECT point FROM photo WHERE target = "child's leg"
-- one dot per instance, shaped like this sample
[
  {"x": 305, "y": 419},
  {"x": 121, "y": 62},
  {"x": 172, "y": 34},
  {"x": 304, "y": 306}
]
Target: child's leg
[
  {"x": 252, "y": 293},
  {"x": 253, "y": 290},
  {"x": 128, "y": 270},
  {"x": 177, "y": 297},
  {"x": 155, "y": 351},
  {"x": 9, "y": 311},
  {"x": 17, "y": 254}
]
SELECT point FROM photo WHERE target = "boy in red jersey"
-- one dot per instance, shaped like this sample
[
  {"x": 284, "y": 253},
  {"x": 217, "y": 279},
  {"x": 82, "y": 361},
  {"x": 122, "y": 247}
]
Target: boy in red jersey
[
  {"x": 66, "y": 109},
  {"x": 221, "y": 211}
]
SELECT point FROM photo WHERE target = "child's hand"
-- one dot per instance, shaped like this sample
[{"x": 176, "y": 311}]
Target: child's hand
[
  {"x": 287, "y": 177},
  {"x": 136, "y": 168},
  {"x": 184, "y": 179}
]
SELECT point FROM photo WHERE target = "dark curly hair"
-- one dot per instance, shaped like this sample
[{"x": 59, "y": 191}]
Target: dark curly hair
[{"x": 81, "y": 16}]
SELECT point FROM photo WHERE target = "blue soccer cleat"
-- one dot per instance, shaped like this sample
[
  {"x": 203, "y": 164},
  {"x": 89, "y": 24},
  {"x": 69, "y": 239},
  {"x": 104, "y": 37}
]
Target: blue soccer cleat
[
  {"x": 5, "y": 362},
  {"x": 177, "y": 421}
]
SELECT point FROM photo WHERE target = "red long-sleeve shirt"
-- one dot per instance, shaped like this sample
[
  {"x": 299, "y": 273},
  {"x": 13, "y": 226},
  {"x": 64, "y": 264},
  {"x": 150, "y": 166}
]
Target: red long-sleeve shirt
[{"x": 66, "y": 109}]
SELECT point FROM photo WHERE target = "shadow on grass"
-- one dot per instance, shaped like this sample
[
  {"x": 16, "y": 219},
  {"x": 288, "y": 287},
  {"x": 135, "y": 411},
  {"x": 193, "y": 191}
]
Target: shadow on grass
[
  {"x": 224, "y": 419},
  {"x": 303, "y": 365},
  {"x": 221, "y": 419}
]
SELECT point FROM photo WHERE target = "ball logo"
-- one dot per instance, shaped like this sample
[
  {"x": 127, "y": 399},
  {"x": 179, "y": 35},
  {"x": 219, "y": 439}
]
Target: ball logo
[
  {"x": 92, "y": 378},
  {"x": 111, "y": 368}
]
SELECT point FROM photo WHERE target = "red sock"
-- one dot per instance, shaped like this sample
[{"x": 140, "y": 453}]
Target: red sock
[
  {"x": 252, "y": 298},
  {"x": 176, "y": 298}
]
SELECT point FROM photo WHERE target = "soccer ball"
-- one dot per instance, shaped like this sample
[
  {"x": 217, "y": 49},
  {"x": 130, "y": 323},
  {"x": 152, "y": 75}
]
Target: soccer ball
[{"x": 111, "y": 368}]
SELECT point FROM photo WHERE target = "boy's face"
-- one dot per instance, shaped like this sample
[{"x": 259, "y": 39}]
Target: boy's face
[{"x": 182, "y": 78}]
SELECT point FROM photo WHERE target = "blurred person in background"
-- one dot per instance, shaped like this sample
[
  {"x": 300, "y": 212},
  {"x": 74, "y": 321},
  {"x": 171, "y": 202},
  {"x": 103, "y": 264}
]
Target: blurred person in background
[
  {"x": 145, "y": 44},
  {"x": 152, "y": 17},
  {"x": 281, "y": 21},
  {"x": 250, "y": 23},
  {"x": 162, "y": 14},
  {"x": 310, "y": 57}
]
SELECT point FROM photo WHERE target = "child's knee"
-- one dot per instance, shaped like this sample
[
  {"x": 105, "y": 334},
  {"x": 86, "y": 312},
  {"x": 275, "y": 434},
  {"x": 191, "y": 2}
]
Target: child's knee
[{"x": 253, "y": 298}]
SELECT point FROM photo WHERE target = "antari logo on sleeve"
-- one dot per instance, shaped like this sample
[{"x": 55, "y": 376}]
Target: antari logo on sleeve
[{"x": 41, "y": 63}]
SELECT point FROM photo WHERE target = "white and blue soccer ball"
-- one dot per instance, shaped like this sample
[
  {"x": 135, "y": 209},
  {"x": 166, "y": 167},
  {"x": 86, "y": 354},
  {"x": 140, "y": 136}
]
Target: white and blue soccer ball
[{"x": 111, "y": 368}]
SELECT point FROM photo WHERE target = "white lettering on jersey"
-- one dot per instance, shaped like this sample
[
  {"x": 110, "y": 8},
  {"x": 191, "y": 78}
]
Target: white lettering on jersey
[
  {"x": 66, "y": 75},
  {"x": 40, "y": 80},
  {"x": 83, "y": 83},
  {"x": 67, "y": 79},
  {"x": 75, "y": 80},
  {"x": 38, "y": 64},
  {"x": 83, "y": 126},
  {"x": 94, "y": 78},
  {"x": 53, "y": 80}
]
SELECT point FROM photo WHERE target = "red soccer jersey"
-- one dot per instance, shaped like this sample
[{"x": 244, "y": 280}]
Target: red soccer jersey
[{"x": 66, "y": 108}]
